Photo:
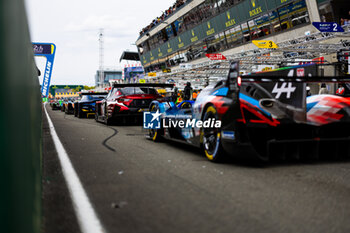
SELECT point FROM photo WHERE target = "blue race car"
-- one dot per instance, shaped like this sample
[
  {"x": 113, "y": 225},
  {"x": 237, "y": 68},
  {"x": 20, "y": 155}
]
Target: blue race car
[
  {"x": 86, "y": 106},
  {"x": 268, "y": 114}
]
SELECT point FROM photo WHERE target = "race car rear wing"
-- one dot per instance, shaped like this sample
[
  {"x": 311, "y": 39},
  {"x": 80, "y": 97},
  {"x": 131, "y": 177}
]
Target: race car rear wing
[
  {"x": 163, "y": 85},
  {"x": 318, "y": 79},
  {"x": 302, "y": 73},
  {"x": 94, "y": 93},
  {"x": 281, "y": 92}
]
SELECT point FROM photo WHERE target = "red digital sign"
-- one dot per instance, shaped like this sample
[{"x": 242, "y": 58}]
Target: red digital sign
[{"x": 215, "y": 56}]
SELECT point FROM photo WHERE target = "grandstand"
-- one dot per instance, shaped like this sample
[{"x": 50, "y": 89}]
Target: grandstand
[{"x": 202, "y": 27}]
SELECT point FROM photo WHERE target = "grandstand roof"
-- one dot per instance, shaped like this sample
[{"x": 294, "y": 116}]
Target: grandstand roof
[{"x": 127, "y": 55}]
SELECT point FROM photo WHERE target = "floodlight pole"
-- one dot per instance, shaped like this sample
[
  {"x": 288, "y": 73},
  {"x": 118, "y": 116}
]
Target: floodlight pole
[{"x": 101, "y": 42}]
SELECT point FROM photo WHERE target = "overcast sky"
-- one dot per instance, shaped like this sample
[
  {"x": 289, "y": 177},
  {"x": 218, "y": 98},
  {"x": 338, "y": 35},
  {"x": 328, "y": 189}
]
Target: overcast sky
[{"x": 73, "y": 25}]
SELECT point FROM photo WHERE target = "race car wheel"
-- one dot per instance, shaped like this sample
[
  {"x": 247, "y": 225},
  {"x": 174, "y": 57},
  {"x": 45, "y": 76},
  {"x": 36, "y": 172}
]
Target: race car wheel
[
  {"x": 80, "y": 113},
  {"x": 96, "y": 116},
  {"x": 211, "y": 138},
  {"x": 185, "y": 105},
  {"x": 154, "y": 134},
  {"x": 107, "y": 121}
]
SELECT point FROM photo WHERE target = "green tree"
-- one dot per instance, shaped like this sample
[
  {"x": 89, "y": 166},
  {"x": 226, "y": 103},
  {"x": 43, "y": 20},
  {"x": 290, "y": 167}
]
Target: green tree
[
  {"x": 88, "y": 88},
  {"x": 77, "y": 89}
]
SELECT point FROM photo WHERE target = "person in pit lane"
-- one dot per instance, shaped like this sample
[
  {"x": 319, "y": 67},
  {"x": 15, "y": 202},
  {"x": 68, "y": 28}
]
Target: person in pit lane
[{"x": 188, "y": 91}]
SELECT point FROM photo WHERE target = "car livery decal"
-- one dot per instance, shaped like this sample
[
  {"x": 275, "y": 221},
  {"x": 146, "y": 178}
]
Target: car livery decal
[
  {"x": 324, "y": 109},
  {"x": 221, "y": 92},
  {"x": 253, "y": 102}
]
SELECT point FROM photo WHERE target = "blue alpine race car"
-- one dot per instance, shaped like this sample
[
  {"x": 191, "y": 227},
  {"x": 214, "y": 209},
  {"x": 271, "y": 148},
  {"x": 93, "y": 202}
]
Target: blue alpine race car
[{"x": 266, "y": 113}]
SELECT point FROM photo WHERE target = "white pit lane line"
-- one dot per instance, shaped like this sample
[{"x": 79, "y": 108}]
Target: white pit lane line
[{"x": 86, "y": 215}]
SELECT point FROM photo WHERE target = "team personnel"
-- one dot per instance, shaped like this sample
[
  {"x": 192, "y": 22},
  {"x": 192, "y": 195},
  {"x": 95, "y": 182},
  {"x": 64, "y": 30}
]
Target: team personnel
[
  {"x": 323, "y": 90},
  {"x": 188, "y": 91},
  {"x": 194, "y": 95}
]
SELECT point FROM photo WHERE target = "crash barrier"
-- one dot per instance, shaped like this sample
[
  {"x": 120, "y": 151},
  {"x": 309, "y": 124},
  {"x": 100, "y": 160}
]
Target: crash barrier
[{"x": 20, "y": 124}]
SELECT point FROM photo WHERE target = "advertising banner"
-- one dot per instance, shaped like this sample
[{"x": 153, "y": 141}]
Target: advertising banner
[
  {"x": 215, "y": 56},
  {"x": 328, "y": 27},
  {"x": 265, "y": 44},
  {"x": 48, "y": 51}
]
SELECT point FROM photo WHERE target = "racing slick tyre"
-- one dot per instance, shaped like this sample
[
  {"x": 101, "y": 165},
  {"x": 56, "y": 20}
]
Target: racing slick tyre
[
  {"x": 155, "y": 134},
  {"x": 76, "y": 110},
  {"x": 96, "y": 117},
  {"x": 185, "y": 105},
  {"x": 107, "y": 121},
  {"x": 211, "y": 138},
  {"x": 80, "y": 113}
]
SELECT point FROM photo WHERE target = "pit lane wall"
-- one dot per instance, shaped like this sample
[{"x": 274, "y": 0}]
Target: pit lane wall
[{"x": 20, "y": 124}]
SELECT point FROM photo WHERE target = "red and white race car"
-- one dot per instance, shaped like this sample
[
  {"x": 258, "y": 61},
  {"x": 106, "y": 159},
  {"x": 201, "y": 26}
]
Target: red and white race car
[{"x": 126, "y": 101}]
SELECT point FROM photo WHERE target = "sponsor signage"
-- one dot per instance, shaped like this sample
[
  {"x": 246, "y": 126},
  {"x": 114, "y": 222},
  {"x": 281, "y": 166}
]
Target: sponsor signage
[
  {"x": 301, "y": 72},
  {"x": 215, "y": 56},
  {"x": 143, "y": 59},
  {"x": 169, "y": 48},
  {"x": 319, "y": 60},
  {"x": 256, "y": 8},
  {"x": 152, "y": 74},
  {"x": 180, "y": 42},
  {"x": 160, "y": 53},
  {"x": 265, "y": 44},
  {"x": 210, "y": 29},
  {"x": 230, "y": 20},
  {"x": 281, "y": 2},
  {"x": 328, "y": 27},
  {"x": 194, "y": 37},
  {"x": 263, "y": 68},
  {"x": 43, "y": 49},
  {"x": 151, "y": 56},
  {"x": 167, "y": 70},
  {"x": 267, "y": 69},
  {"x": 48, "y": 51}
]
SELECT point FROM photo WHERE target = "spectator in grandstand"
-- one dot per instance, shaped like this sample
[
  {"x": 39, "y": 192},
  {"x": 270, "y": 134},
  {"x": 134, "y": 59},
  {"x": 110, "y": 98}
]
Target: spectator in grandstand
[
  {"x": 323, "y": 90},
  {"x": 167, "y": 13}
]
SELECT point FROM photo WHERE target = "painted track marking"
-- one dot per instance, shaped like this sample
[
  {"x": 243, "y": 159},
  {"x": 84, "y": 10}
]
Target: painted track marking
[{"x": 86, "y": 215}]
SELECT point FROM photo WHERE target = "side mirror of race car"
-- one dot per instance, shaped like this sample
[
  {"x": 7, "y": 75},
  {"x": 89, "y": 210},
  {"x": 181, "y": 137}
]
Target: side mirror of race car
[
  {"x": 232, "y": 80},
  {"x": 232, "y": 76}
]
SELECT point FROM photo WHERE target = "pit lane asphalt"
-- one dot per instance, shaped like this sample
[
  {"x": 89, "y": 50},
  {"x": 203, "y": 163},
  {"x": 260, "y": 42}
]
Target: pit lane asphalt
[{"x": 136, "y": 185}]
